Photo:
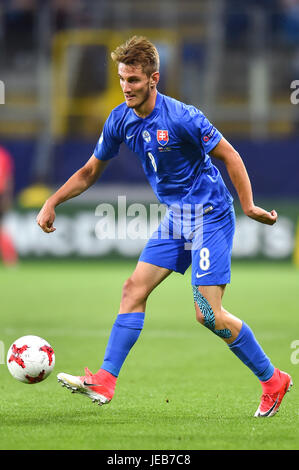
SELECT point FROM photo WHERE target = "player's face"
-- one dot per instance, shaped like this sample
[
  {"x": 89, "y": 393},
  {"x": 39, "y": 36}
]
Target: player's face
[{"x": 135, "y": 85}]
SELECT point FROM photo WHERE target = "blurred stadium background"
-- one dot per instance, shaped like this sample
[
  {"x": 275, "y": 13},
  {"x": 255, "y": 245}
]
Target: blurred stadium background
[{"x": 235, "y": 60}]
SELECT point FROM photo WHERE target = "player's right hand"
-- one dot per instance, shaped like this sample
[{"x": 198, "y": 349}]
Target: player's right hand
[{"x": 46, "y": 217}]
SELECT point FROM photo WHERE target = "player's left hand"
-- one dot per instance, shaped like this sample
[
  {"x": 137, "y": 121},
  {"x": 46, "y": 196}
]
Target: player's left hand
[{"x": 262, "y": 216}]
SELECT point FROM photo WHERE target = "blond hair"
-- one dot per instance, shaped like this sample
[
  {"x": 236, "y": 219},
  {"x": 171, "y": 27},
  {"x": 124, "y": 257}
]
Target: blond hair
[{"x": 138, "y": 50}]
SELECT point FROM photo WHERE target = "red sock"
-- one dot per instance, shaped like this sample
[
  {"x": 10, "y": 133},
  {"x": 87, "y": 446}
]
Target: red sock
[
  {"x": 272, "y": 384},
  {"x": 7, "y": 249}
]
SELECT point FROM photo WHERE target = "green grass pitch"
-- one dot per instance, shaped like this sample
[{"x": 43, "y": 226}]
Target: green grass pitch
[{"x": 180, "y": 388}]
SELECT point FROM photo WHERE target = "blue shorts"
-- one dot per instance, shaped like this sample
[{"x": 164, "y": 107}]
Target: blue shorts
[{"x": 207, "y": 245}]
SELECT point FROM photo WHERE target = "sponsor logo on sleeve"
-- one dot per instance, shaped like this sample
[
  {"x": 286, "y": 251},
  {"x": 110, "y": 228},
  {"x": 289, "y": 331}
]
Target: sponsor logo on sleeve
[{"x": 208, "y": 136}]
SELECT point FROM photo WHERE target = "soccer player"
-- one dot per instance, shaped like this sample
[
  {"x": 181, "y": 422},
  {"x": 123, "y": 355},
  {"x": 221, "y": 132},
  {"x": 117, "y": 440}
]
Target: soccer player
[
  {"x": 7, "y": 249},
  {"x": 174, "y": 142}
]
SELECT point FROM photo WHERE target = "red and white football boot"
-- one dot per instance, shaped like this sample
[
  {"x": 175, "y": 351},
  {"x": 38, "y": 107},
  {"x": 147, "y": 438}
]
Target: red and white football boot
[
  {"x": 98, "y": 387},
  {"x": 271, "y": 400}
]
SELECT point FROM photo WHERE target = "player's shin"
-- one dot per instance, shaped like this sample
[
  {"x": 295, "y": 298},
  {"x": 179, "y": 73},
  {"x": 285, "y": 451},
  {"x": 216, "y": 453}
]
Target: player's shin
[
  {"x": 244, "y": 344},
  {"x": 248, "y": 350},
  {"x": 124, "y": 334}
]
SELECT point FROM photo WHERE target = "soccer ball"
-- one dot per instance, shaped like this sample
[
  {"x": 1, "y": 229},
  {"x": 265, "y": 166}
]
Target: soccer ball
[{"x": 30, "y": 359}]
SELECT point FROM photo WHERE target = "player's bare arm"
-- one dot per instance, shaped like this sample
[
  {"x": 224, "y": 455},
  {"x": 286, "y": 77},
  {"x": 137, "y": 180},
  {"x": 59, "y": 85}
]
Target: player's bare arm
[
  {"x": 75, "y": 185},
  {"x": 236, "y": 169}
]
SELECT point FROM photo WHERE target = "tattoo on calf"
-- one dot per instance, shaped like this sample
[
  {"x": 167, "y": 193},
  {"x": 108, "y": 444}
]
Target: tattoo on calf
[{"x": 208, "y": 314}]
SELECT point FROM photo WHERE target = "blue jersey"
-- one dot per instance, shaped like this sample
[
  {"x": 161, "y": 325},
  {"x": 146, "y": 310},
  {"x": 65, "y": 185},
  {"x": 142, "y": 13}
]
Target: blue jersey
[{"x": 173, "y": 143}]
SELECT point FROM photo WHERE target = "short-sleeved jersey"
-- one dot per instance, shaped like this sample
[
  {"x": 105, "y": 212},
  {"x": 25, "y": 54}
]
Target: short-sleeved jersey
[
  {"x": 6, "y": 168},
  {"x": 173, "y": 143}
]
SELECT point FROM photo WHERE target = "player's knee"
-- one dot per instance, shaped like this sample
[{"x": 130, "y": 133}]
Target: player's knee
[
  {"x": 199, "y": 315},
  {"x": 212, "y": 319},
  {"x": 201, "y": 306},
  {"x": 133, "y": 292},
  {"x": 128, "y": 290},
  {"x": 204, "y": 313}
]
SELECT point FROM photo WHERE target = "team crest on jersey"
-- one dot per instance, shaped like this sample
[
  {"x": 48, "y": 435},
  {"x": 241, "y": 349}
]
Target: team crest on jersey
[
  {"x": 162, "y": 137},
  {"x": 146, "y": 135}
]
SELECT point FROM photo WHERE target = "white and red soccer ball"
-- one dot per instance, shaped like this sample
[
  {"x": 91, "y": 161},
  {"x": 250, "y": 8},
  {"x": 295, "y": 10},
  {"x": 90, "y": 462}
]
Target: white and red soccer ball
[{"x": 30, "y": 359}]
